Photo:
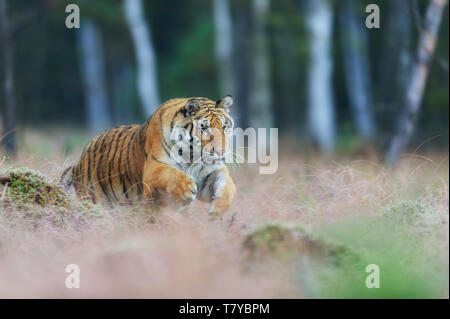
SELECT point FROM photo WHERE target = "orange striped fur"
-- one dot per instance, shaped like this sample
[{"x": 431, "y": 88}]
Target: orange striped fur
[{"x": 137, "y": 162}]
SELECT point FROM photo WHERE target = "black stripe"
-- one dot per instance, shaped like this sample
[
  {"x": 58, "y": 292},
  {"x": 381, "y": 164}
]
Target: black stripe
[
  {"x": 124, "y": 188},
  {"x": 160, "y": 161},
  {"x": 135, "y": 165},
  {"x": 204, "y": 182},
  {"x": 111, "y": 164},
  {"x": 106, "y": 170},
  {"x": 99, "y": 169},
  {"x": 88, "y": 167},
  {"x": 160, "y": 121},
  {"x": 125, "y": 173},
  {"x": 143, "y": 134},
  {"x": 91, "y": 186},
  {"x": 165, "y": 150},
  {"x": 173, "y": 119},
  {"x": 88, "y": 177},
  {"x": 128, "y": 172},
  {"x": 166, "y": 145},
  {"x": 191, "y": 146}
]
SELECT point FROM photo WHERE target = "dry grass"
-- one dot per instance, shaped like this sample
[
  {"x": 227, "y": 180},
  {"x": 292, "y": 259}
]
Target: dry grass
[{"x": 130, "y": 252}]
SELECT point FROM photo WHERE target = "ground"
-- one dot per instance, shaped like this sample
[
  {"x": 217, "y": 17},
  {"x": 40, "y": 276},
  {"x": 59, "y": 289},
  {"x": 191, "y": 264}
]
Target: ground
[{"x": 308, "y": 231}]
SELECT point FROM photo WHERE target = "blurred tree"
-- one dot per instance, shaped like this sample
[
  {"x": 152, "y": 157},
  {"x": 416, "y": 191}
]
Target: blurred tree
[
  {"x": 289, "y": 52},
  {"x": 419, "y": 74},
  {"x": 320, "y": 96},
  {"x": 46, "y": 64},
  {"x": 124, "y": 99},
  {"x": 224, "y": 45},
  {"x": 356, "y": 65},
  {"x": 395, "y": 63},
  {"x": 8, "y": 137},
  {"x": 260, "y": 95},
  {"x": 145, "y": 53},
  {"x": 92, "y": 67},
  {"x": 242, "y": 56}
]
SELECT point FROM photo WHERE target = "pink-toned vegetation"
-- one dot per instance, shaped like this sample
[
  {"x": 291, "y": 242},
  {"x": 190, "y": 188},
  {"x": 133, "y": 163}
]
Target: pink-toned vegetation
[{"x": 130, "y": 252}]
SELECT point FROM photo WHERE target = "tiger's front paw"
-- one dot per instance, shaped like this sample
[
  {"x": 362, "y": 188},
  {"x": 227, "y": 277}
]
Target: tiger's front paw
[
  {"x": 222, "y": 201},
  {"x": 183, "y": 189}
]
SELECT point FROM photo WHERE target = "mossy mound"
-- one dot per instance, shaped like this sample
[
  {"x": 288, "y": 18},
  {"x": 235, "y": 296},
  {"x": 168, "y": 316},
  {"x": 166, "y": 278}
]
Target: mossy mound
[
  {"x": 413, "y": 213},
  {"x": 410, "y": 208},
  {"x": 290, "y": 241},
  {"x": 23, "y": 186}
]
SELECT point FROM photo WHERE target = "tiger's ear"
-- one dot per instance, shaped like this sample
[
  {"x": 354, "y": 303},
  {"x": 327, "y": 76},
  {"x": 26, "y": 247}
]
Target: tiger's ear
[
  {"x": 226, "y": 102},
  {"x": 191, "y": 108}
]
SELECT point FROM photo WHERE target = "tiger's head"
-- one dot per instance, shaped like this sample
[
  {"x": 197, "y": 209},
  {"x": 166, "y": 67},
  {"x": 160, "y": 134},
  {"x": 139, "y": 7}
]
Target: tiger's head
[{"x": 203, "y": 131}]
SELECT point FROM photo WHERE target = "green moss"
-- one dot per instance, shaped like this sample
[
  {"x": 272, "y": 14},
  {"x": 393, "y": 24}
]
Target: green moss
[
  {"x": 24, "y": 186},
  {"x": 289, "y": 241},
  {"x": 89, "y": 209},
  {"x": 410, "y": 266},
  {"x": 414, "y": 208},
  {"x": 412, "y": 213}
]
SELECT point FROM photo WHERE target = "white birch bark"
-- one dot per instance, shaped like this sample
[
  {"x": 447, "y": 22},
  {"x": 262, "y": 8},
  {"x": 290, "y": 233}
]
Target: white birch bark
[
  {"x": 92, "y": 72},
  {"x": 320, "y": 97},
  {"x": 145, "y": 53},
  {"x": 419, "y": 75}
]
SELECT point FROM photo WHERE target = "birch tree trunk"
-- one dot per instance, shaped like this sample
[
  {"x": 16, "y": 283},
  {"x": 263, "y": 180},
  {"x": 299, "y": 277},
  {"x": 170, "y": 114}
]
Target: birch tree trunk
[
  {"x": 8, "y": 105},
  {"x": 416, "y": 85},
  {"x": 356, "y": 65},
  {"x": 92, "y": 71},
  {"x": 260, "y": 96},
  {"x": 320, "y": 98},
  {"x": 224, "y": 45},
  {"x": 145, "y": 53}
]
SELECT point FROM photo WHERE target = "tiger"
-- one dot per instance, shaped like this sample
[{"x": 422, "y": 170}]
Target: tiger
[{"x": 178, "y": 155}]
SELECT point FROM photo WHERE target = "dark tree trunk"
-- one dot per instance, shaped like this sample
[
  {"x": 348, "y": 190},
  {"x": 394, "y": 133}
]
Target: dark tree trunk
[
  {"x": 224, "y": 45},
  {"x": 260, "y": 95},
  {"x": 242, "y": 66},
  {"x": 8, "y": 105},
  {"x": 93, "y": 74},
  {"x": 356, "y": 66},
  {"x": 416, "y": 85},
  {"x": 395, "y": 64}
]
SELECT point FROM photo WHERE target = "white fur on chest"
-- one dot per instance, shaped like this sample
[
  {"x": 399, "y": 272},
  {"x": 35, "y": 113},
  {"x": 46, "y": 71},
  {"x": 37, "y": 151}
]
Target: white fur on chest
[
  {"x": 208, "y": 177},
  {"x": 200, "y": 172}
]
